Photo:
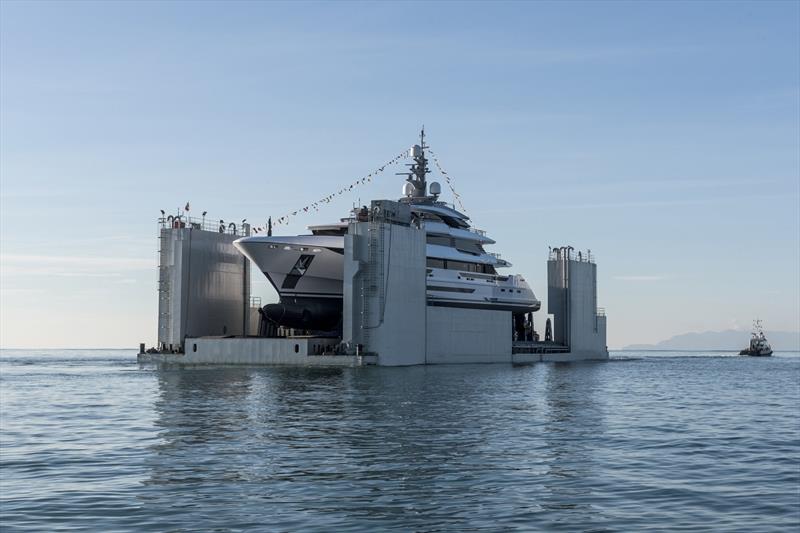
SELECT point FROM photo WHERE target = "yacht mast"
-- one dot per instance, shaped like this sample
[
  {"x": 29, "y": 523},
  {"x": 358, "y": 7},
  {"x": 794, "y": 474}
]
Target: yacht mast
[{"x": 419, "y": 169}]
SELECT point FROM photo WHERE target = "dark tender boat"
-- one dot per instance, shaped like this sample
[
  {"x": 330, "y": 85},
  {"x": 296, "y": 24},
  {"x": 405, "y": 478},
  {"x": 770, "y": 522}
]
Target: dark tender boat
[{"x": 759, "y": 347}]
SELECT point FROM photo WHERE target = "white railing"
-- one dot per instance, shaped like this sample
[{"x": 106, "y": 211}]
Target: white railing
[
  {"x": 569, "y": 253},
  {"x": 204, "y": 224}
]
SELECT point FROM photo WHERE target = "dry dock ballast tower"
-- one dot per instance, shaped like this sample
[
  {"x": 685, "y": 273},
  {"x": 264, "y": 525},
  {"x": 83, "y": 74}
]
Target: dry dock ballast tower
[
  {"x": 203, "y": 281},
  {"x": 572, "y": 300}
]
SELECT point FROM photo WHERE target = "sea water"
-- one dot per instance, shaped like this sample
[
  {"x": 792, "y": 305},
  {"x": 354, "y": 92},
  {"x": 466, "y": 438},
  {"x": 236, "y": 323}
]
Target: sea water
[{"x": 665, "y": 441}]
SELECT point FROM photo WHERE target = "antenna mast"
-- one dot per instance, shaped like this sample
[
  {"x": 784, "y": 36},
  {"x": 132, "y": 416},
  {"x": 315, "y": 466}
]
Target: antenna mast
[{"x": 419, "y": 169}]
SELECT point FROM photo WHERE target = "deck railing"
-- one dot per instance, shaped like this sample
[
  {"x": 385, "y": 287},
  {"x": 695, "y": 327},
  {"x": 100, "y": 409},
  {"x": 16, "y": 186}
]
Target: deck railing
[
  {"x": 204, "y": 224},
  {"x": 557, "y": 254}
]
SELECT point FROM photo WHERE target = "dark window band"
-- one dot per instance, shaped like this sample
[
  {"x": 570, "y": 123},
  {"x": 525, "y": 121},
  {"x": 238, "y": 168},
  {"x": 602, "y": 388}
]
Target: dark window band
[{"x": 449, "y": 289}]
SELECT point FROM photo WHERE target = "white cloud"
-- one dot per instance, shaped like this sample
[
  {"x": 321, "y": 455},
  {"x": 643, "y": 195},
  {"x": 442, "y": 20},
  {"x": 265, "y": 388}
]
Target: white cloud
[
  {"x": 631, "y": 203},
  {"x": 558, "y": 56},
  {"x": 639, "y": 278},
  {"x": 14, "y": 290},
  {"x": 71, "y": 266}
]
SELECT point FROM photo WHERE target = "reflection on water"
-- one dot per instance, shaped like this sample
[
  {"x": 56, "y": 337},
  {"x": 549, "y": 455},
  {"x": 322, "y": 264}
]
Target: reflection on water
[
  {"x": 360, "y": 443},
  {"x": 573, "y": 425},
  {"x": 671, "y": 442}
]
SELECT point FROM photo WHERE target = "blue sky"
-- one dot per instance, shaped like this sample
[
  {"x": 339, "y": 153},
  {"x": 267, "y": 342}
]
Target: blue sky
[{"x": 663, "y": 136}]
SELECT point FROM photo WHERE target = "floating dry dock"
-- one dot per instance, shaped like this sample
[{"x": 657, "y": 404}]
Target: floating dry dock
[{"x": 206, "y": 317}]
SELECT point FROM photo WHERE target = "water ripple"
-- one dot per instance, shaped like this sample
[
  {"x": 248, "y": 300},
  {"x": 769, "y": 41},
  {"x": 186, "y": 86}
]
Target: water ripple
[{"x": 92, "y": 441}]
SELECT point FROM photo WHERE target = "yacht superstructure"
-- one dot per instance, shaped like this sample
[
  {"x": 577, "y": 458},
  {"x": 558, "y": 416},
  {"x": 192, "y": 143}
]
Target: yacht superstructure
[{"x": 307, "y": 270}]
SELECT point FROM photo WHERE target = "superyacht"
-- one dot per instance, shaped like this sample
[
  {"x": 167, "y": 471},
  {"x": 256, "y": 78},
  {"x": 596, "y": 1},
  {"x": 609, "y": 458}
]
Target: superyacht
[{"x": 307, "y": 270}]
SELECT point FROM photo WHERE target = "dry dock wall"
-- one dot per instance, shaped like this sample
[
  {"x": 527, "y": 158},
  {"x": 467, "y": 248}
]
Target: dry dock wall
[
  {"x": 385, "y": 304},
  {"x": 384, "y": 286},
  {"x": 456, "y": 335},
  {"x": 572, "y": 300},
  {"x": 203, "y": 286}
]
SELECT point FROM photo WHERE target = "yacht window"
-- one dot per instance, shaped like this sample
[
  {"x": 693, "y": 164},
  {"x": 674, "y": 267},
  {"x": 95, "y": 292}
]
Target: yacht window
[
  {"x": 334, "y": 232},
  {"x": 456, "y": 265},
  {"x": 454, "y": 222},
  {"x": 464, "y": 266},
  {"x": 470, "y": 247},
  {"x": 441, "y": 240},
  {"x": 435, "y": 263},
  {"x": 429, "y": 216}
]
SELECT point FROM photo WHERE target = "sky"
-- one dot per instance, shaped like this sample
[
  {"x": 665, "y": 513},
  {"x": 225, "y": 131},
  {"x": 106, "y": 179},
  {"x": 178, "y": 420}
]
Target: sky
[{"x": 665, "y": 137}]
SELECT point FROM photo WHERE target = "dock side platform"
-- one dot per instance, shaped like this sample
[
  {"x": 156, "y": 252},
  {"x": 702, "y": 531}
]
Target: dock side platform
[{"x": 255, "y": 351}]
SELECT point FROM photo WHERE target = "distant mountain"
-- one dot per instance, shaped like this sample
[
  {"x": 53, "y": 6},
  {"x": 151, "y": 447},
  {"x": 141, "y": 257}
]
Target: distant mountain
[{"x": 722, "y": 340}]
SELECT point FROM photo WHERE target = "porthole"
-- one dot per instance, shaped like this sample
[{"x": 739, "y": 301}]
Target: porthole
[
  {"x": 296, "y": 348},
  {"x": 194, "y": 346}
]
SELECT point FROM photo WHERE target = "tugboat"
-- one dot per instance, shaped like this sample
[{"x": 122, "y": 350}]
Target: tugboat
[{"x": 759, "y": 347}]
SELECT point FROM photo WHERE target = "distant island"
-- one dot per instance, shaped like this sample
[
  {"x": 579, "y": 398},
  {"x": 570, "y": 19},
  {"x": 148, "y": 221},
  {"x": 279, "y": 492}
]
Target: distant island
[{"x": 722, "y": 340}]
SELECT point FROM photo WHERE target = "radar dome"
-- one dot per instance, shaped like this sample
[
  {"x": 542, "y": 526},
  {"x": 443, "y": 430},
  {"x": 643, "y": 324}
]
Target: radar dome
[
  {"x": 436, "y": 188},
  {"x": 408, "y": 189}
]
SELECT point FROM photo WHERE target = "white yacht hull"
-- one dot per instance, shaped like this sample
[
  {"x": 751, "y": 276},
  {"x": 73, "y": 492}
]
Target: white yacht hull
[
  {"x": 451, "y": 288},
  {"x": 298, "y": 267},
  {"x": 311, "y": 267}
]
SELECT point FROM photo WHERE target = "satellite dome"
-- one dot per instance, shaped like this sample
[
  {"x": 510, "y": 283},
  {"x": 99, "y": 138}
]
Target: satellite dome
[
  {"x": 408, "y": 189},
  {"x": 436, "y": 188}
]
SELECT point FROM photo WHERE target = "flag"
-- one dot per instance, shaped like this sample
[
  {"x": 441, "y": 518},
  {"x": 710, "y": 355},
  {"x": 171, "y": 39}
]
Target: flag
[{"x": 187, "y": 207}]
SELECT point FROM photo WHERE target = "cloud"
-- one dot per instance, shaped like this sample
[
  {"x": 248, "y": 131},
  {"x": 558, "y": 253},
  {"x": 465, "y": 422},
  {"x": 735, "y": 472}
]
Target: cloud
[
  {"x": 94, "y": 261},
  {"x": 560, "y": 56},
  {"x": 71, "y": 266},
  {"x": 626, "y": 204},
  {"x": 20, "y": 290},
  {"x": 655, "y": 185},
  {"x": 15, "y": 192},
  {"x": 639, "y": 278}
]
